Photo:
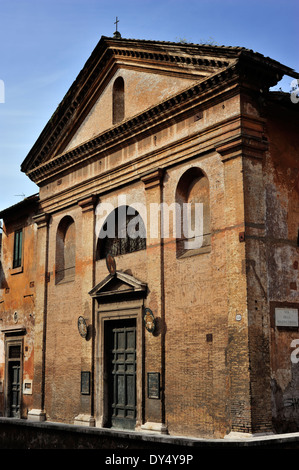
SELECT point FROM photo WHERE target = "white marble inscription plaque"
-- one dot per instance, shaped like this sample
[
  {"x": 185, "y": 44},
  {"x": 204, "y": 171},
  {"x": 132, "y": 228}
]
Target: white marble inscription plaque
[{"x": 286, "y": 317}]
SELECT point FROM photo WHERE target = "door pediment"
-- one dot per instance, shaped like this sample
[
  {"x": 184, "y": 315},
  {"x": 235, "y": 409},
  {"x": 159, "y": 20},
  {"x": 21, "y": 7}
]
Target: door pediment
[{"x": 118, "y": 285}]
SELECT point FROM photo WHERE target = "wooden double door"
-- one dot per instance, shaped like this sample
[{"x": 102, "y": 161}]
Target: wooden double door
[
  {"x": 120, "y": 346},
  {"x": 14, "y": 379}
]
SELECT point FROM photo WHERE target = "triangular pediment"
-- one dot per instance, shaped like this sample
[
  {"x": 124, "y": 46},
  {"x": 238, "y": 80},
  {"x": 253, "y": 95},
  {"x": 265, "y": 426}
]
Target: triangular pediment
[
  {"x": 118, "y": 285},
  {"x": 153, "y": 71},
  {"x": 143, "y": 89}
]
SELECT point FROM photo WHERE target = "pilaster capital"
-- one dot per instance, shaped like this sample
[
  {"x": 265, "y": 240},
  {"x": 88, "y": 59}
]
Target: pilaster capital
[
  {"x": 242, "y": 146},
  {"x": 41, "y": 220},
  {"x": 153, "y": 178},
  {"x": 87, "y": 204}
]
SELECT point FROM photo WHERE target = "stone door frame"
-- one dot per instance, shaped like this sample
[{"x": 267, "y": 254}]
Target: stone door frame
[{"x": 128, "y": 309}]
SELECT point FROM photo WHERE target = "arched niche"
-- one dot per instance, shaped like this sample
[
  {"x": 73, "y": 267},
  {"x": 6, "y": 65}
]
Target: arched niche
[
  {"x": 118, "y": 100},
  {"x": 193, "y": 199},
  {"x": 65, "y": 250}
]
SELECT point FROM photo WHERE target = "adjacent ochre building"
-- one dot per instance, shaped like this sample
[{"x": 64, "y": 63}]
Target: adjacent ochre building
[{"x": 157, "y": 330}]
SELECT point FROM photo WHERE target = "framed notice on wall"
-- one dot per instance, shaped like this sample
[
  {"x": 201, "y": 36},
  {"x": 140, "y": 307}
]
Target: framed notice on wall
[
  {"x": 85, "y": 383},
  {"x": 286, "y": 317},
  {"x": 153, "y": 385}
]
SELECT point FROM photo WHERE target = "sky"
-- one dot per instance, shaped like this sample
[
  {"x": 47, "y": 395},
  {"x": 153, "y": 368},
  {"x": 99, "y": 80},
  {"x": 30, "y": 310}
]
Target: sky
[{"x": 45, "y": 43}]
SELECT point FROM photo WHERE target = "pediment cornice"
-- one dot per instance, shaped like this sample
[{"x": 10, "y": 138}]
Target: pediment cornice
[
  {"x": 118, "y": 285},
  {"x": 204, "y": 63},
  {"x": 132, "y": 127},
  {"x": 108, "y": 55}
]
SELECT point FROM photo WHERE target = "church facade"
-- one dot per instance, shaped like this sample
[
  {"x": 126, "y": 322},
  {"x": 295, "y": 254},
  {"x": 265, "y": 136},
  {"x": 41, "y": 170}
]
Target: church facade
[{"x": 152, "y": 283}]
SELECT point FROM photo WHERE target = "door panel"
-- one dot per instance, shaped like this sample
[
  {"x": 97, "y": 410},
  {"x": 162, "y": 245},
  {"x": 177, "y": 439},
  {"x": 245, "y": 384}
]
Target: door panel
[
  {"x": 14, "y": 378},
  {"x": 121, "y": 369},
  {"x": 14, "y": 389}
]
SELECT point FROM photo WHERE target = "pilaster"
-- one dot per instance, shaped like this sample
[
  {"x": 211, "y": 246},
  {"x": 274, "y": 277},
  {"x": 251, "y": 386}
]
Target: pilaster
[
  {"x": 38, "y": 412},
  {"x": 155, "y": 342},
  {"x": 249, "y": 379},
  {"x": 87, "y": 259}
]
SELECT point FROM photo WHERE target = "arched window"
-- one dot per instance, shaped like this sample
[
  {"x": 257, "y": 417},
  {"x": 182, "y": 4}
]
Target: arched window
[
  {"x": 123, "y": 232},
  {"x": 193, "y": 197},
  {"x": 65, "y": 250},
  {"x": 118, "y": 98}
]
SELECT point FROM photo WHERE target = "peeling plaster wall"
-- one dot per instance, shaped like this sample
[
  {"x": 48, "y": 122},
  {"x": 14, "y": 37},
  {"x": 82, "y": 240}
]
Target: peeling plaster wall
[
  {"x": 282, "y": 195},
  {"x": 17, "y": 295}
]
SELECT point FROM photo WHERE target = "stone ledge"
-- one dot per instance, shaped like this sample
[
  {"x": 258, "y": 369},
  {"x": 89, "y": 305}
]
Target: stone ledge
[
  {"x": 109, "y": 438},
  {"x": 237, "y": 436},
  {"x": 154, "y": 428}
]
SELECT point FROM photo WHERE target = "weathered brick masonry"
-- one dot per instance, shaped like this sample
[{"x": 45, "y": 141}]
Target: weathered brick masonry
[{"x": 146, "y": 124}]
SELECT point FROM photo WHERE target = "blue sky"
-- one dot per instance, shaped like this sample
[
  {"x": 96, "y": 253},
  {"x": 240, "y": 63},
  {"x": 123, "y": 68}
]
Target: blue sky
[{"x": 45, "y": 43}]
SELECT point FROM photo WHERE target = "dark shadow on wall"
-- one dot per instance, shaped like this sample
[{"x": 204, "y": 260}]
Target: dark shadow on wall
[{"x": 3, "y": 281}]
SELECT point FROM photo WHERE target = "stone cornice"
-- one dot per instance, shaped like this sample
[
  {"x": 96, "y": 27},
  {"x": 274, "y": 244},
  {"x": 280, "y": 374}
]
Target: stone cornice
[{"x": 226, "y": 135}]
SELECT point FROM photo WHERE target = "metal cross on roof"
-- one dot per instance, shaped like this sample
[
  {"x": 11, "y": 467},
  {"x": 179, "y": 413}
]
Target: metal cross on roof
[{"x": 117, "y": 34}]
